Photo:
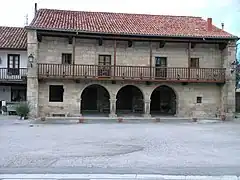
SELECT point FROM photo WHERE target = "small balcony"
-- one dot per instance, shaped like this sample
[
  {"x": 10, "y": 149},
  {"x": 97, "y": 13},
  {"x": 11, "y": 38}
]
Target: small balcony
[
  {"x": 13, "y": 75},
  {"x": 131, "y": 73}
]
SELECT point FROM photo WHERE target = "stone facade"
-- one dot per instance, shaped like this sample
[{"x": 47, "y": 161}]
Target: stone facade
[{"x": 215, "y": 97}]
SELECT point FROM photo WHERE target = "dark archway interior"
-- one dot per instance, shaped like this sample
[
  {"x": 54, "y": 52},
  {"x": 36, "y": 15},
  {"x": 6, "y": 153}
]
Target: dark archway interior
[
  {"x": 163, "y": 101},
  {"x": 95, "y": 100},
  {"x": 130, "y": 100}
]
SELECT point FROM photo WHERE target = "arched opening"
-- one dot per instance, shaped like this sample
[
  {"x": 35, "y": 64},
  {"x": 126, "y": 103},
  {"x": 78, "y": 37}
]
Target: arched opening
[
  {"x": 95, "y": 100},
  {"x": 163, "y": 101},
  {"x": 129, "y": 101}
]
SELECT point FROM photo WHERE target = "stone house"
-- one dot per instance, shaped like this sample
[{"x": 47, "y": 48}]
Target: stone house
[
  {"x": 13, "y": 66},
  {"x": 117, "y": 64}
]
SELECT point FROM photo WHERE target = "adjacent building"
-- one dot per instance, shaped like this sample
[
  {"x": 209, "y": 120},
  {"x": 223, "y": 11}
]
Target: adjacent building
[
  {"x": 115, "y": 64},
  {"x": 13, "y": 66}
]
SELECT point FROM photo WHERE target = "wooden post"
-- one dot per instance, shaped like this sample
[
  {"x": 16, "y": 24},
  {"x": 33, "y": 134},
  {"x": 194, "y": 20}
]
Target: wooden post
[
  {"x": 150, "y": 59},
  {"x": 73, "y": 54},
  {"x": 189, "y": 59},
  {"x": 115, "y": 58}
]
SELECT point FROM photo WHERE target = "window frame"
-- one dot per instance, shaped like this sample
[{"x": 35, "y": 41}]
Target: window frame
[
  {"x": 65, "y": 59},
  {"x": 196, "y": 63},
  {"x": 14, "y": 70},
  {"x": 53, "y": 95}
]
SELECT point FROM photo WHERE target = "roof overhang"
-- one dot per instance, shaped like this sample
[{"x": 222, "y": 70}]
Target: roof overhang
[
  {"x": 137, "y": 37},
  {"x": 13, "y": 49}
]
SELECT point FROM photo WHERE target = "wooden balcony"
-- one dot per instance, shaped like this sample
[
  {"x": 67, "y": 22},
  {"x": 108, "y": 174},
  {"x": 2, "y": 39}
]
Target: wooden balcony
[
  {"x": 13, "y": 75},
  {"x": 132, "y": 73}
]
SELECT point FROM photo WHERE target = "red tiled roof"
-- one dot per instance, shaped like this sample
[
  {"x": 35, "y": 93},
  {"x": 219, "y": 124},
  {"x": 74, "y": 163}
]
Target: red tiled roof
[
  {"x": 125, "y": 24},
  {"x": 13, "y": 38}
]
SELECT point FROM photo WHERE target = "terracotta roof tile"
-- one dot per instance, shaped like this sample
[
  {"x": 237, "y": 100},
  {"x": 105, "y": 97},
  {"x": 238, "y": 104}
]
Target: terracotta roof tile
[
  {"x": 13, "y": 38},
  {"x": 122, "y": 23}
]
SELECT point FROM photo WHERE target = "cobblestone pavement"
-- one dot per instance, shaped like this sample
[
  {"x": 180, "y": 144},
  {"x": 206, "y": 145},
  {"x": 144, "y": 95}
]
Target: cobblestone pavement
[{"x": 167, "y": 148}]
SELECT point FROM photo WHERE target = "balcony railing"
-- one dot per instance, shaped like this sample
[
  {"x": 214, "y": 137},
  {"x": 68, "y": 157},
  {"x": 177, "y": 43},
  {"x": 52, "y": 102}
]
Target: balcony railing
[
  {"x": 13, "y": 74},
  {"x": 141, "y": 73}
]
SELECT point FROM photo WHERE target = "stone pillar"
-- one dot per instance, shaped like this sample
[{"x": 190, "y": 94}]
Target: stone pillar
[
  {"x": 228, "y": 89},
  {"x": 79, "y": 101},
  {"x": 147, "y": 108},
  {"x": 112, "y": 107},
  {"x": 32, "y": 76}
]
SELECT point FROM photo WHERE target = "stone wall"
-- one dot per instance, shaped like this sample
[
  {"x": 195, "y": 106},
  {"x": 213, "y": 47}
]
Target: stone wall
[
  {"x": 186, "y": 97},
  {"x": 87, "y": 51}
]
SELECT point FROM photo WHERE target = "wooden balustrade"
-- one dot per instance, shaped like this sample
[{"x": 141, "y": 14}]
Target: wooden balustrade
[
  {"x": 13, "y": 74},
  {"x": 140, "y": 73}
]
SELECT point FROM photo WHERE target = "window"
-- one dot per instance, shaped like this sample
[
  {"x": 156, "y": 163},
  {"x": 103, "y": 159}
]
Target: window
[
  {"x": 18, "y": 94},
  {"x": 194, "y": 63},
  {"x": 56, "y": 93},
  {"x": 66, "y": 58},
  {"x": 160, "y": 61},
  {"x": 199, "y": 99},
  {"x": 104, "y": 60},
  {"x": 13, "y": 64}
]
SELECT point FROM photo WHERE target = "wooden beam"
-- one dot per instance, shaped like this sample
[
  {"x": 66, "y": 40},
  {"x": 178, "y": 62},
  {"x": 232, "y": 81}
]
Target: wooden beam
[
  {"x": 100, "y": 42},
  {"x": 162, "y": 44},
  {"x": 70, "y": 40},
  {"x": 73, "y": 53},
  {"x": 39, "y": 37},
  {"x": 222, "y": 46},
  {"x": 115, "y": 58},
  {"x": 193, "y": 45},
  {"x": 129, "y": 43},
  {"x": 150, "y": 59},
  {"x": 189, "y": 58}
]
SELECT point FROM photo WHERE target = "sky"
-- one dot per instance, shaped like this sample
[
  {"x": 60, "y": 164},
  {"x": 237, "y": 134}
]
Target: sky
[{"x": 14, "y": 12}]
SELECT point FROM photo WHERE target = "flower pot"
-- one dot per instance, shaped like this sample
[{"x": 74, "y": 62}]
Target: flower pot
[
  {"x": 194, "y": 119},
  {"x": 223, "y": 117},
  {"x": 120, "y": 120}
]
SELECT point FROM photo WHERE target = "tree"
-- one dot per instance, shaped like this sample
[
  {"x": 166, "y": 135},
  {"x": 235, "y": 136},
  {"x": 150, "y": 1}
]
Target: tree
[{"x": 237, "y": 73}]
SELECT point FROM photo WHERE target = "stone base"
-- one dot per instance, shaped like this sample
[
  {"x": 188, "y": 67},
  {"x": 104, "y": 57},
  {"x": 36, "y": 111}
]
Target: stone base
[
  {"x": 147, "y": 115},
  {"x": 112, "y": 115}
]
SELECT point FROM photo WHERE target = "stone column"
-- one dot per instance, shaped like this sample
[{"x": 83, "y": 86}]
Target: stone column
[
  {"x": 112, "y": 107},
  {"x": 228, "y": 89},
  {"x": 147, "y": 108},
  {"x": 32, "y": 76},
  {"x": 79, "y": 101}
]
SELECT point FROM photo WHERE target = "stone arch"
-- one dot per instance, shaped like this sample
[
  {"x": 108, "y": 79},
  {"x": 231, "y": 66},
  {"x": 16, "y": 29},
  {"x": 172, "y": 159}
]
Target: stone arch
[
  {"x": 130, "y": 99},
  {"x": 95, "y": 99},
  {"x": 164, "y": 101}
]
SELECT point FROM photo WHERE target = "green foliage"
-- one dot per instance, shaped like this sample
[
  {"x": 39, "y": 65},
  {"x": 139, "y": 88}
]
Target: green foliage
[
  {"x": 237, "y": 78},
  {"x": 23, "y": 109}
]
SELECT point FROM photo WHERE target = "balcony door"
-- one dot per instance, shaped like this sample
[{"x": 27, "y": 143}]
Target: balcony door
[
  {"x": 161, "y": 67},
  {"x": 104, "y": 65},
  {"x": 13, "y": 64}
]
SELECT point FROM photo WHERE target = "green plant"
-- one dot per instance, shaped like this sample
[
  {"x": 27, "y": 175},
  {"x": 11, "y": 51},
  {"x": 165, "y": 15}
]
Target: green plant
[{"x": 23, "y": 110}]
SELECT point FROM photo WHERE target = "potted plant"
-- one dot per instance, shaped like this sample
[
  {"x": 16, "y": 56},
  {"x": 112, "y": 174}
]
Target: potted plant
[{"x": 22, "y": 110}]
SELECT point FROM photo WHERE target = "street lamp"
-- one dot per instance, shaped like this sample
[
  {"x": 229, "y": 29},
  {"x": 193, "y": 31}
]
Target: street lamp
[{"x": 30, "y": 59}]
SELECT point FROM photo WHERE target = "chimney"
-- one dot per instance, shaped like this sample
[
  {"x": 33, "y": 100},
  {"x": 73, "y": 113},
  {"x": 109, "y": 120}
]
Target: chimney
[
  {"x": 209, "y": 24},
  {"x": 222, "y": 26},
  {"x": 35, "y": 12}
]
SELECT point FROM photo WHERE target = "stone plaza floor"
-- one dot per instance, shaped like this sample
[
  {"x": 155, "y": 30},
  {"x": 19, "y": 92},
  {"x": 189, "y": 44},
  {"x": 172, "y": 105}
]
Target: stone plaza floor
[{"x": 167, "y": 147}]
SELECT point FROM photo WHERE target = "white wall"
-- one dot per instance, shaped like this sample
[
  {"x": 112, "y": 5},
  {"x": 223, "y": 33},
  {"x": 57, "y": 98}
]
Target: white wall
[
  {"x": 5, "y": 93},
  {"x": 4, "y": 54}
]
